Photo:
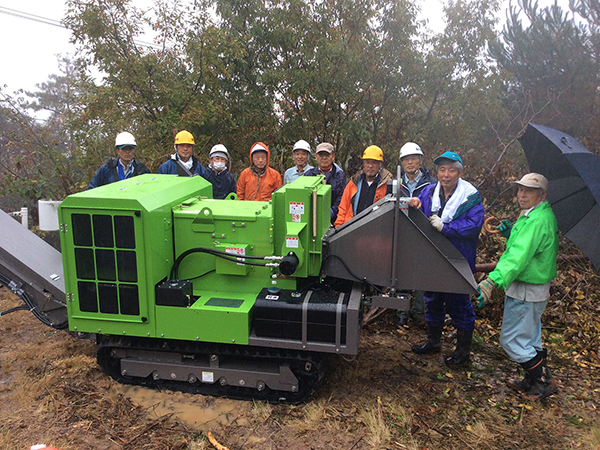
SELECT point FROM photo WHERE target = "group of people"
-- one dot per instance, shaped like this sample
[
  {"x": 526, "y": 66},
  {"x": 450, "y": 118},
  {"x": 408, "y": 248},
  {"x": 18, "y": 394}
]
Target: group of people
[
  {"x": 454, "y": 208},
  {"x": 181, "y": 163}
]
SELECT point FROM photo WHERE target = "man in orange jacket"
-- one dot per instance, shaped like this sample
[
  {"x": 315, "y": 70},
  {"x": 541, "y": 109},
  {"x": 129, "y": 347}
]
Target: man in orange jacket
[
  {"x": 259, "y": 181},
  {"x": 366, "y": 187}
]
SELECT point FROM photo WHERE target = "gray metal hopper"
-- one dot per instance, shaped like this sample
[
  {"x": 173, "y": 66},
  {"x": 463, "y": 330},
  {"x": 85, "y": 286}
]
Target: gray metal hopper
[{"x": 385, "y": 246}]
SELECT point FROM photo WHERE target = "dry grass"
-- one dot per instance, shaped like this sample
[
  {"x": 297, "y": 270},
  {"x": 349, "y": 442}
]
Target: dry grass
[
  {"x": 52, "y": 391},
  {"x": 378, "y": 433}
]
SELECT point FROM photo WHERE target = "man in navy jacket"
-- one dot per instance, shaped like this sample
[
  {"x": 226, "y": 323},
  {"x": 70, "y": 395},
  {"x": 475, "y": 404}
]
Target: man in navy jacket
[{"x": 125, "y": 166}]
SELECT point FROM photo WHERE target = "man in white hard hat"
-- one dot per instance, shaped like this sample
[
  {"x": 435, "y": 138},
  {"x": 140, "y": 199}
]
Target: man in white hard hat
[
  {"x": 125, "y": 166},
  {"x": 301, "y": 152},
  {"x": 414, "y": 179},
  {"x": 216, "y": 172},
  {"x": 525, "y": 271},
  {"x": 414, "y": 176}
]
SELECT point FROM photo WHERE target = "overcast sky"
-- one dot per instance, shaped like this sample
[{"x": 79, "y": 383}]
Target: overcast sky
[{"x": 30, "y": 44}]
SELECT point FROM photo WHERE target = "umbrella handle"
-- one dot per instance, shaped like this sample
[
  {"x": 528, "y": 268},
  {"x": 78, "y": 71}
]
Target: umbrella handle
[{"x": 491, "y": 229}]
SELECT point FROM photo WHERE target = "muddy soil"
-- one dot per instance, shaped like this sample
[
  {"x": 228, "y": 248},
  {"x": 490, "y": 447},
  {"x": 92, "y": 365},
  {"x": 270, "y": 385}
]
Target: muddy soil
[{"x": 53, "y": 392}]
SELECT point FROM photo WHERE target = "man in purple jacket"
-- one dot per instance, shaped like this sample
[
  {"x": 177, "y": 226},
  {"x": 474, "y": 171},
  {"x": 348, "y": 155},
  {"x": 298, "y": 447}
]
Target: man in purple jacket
[{"x": 454, "y": 208}]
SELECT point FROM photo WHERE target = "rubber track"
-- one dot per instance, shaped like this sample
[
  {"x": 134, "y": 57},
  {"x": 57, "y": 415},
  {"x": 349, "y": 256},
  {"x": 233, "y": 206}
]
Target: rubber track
[{"x": 307, "y": 381}]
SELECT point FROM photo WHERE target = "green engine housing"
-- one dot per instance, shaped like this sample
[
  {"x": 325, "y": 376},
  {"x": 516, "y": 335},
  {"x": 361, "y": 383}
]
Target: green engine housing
[{"x": 120, "y": 242}]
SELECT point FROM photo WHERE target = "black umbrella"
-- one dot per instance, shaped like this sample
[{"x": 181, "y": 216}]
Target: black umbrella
[{"x": 574, "y": 184}]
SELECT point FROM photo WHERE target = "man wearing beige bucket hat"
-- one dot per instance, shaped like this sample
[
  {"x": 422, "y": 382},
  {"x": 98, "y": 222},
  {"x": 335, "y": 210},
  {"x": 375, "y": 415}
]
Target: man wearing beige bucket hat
[{"x": 525, "y": 271}]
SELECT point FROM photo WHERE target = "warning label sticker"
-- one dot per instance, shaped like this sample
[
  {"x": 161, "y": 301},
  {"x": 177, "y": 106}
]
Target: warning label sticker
[
  {"x": 296, "y": 208},
  {"x": 291, "y": 242},
  {"x": 237, "y": 251},
  {"x": 208, "y": 377}
]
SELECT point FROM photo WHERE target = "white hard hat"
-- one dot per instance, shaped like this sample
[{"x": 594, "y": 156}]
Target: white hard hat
[
  {"x": 219, "y": 148},
  {"x": 125, "y": 139},
  {"x": 302, "y": 145},
  {"x": 410, "y": 148}
]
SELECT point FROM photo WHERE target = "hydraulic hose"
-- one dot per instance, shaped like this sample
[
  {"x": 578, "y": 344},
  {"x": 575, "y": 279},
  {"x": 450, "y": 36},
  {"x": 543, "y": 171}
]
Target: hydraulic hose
[
  {"x": 174, "y": 275},
  {"x": 29, "y": 305}
]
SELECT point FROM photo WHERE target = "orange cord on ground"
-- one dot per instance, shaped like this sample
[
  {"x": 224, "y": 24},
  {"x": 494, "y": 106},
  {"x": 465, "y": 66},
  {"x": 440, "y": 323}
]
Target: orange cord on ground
[{"x": 214, "y": 442}]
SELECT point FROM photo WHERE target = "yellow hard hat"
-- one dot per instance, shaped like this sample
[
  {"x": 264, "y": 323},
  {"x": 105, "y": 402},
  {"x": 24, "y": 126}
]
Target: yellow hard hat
[
  {"x": 373, "y": 152},
  {"x": 184, "y": 137}
]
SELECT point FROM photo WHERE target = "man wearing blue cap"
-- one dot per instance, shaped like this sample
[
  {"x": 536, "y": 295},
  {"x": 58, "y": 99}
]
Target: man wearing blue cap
[{"x": 454, "y": 208}]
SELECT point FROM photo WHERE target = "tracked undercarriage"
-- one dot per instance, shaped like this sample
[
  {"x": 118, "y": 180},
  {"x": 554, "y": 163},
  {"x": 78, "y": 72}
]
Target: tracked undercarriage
[{"x": 238, "y": 372}]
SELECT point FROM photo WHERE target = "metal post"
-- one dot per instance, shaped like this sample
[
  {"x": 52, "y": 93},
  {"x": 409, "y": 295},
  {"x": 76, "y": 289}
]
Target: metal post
[
  {"x": 396, "y": 239},
  {"x": 25, "y": 217}
]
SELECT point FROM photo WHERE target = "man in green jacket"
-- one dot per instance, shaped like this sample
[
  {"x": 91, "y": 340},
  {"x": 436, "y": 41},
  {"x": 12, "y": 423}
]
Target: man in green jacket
[{"x": 525, "y": 271}]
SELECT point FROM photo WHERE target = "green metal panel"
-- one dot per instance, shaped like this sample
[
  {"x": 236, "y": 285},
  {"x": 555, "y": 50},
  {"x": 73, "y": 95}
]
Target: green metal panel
[
  {"x": 117, "y": 244},
  {"x": 221, "y": 224},
  {"x": 215, "y": 317},
  {"x": 296, "y": 215}
]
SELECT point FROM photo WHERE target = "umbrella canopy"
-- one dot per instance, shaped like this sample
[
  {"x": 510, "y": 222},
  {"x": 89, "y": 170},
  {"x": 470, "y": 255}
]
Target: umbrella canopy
[{"x": 573, "y": 174}]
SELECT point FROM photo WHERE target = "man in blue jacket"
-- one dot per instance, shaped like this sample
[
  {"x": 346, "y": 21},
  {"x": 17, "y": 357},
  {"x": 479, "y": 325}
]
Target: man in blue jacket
[
  {"x": 183, "y": 163},
  {"x": 454, "y": 208},
  {"x": 415, "y": 178},
  {"x": 125, "y": 166},
  {"x": 334, "y": 175}
]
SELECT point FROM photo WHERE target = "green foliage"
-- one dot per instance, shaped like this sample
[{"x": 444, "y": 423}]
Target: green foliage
[
  {"x": 349, "y": 72},
  {"x": 551, "y": 58}
]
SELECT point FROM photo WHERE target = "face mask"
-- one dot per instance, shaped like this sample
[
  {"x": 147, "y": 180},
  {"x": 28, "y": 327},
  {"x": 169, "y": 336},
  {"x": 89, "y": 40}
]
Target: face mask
[{"x": 219, "y": 166}]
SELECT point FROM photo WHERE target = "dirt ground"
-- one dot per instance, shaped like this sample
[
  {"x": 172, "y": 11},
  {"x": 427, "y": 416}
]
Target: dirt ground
[{"x": 53, "y": 392}]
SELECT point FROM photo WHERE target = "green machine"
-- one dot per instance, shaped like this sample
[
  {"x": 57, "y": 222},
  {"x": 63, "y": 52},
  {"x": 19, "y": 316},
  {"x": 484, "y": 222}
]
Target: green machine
[{"x": 231, "y": 298}]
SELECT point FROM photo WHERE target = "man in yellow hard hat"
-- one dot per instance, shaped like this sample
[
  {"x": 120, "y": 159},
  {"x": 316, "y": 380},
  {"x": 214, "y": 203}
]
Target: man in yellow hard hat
[
  {"x": 183, "y": 163},
  {"x": 366, "y": 187}
]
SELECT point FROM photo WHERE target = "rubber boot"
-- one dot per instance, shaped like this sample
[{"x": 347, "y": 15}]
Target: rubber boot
[
  {"x": 527, "y": 382},
  {"x": 463, "y": 349},
  {"x": 433, "y": 343},
  {"x": 542, "y": 384}
]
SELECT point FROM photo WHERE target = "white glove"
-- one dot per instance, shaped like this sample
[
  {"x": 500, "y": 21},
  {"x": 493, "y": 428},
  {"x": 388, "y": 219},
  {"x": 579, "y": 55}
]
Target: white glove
[{"x": 436, "y": 222}]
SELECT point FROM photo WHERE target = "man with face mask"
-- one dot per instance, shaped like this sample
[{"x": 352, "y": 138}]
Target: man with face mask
[{"x": 216, "y": 172}]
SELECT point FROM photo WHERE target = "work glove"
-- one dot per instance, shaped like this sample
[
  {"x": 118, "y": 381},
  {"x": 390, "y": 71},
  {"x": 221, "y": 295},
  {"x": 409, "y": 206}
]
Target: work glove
[
  {"x": 505, "y": 228},
  {"x": 436, "y": 222},
  {"x": 332, "y": 213},
  {"x": 485, "y": 289}
]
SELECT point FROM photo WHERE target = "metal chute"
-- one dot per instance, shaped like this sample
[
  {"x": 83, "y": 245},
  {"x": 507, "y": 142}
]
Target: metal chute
[{"x": 397, "y": 249}]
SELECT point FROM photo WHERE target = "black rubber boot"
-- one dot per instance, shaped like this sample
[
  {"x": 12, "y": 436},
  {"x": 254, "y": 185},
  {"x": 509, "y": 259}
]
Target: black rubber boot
[
  {"x": 542, "y": 384},
  {"x": 463, "y": 349},
  {"x": 433, "y": 343},
  {"x": 527, "y": 382},
  {"x": 521, "y": 385}
]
